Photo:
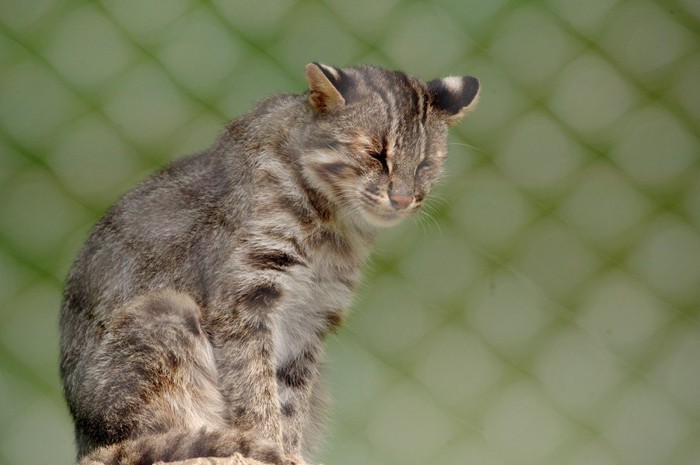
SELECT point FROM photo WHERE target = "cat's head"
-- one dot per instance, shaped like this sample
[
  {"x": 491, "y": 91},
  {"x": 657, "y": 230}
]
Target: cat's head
[{"x": 379, "y": 137}]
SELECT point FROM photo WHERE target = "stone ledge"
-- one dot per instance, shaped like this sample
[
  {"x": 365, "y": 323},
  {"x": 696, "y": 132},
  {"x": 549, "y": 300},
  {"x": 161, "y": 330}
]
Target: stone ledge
[{"x": 236, "y": 459}]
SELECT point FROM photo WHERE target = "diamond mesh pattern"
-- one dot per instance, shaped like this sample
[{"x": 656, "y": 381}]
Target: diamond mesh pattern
[{"x": 545, "y": 308}]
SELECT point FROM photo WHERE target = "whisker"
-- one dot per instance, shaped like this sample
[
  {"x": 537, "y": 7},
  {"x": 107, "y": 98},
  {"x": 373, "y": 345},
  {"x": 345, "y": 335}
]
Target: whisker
[
  {"x": 425, "y": 219},
  {"x": 435, "y": 203},
  {"x": 462, "y": 144}
]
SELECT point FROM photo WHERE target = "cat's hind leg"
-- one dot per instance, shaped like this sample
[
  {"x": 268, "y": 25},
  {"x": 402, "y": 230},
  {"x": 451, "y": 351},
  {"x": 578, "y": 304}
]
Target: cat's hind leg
[{"x": 150, "y": 388}]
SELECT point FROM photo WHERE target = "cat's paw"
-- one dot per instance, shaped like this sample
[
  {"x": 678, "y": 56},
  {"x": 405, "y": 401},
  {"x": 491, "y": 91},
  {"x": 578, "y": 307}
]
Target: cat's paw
[{"x": 264, "y": 451}]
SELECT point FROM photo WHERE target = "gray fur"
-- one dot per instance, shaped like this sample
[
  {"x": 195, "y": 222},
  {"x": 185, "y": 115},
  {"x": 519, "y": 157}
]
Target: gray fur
[{"x": 194, "y": 316}]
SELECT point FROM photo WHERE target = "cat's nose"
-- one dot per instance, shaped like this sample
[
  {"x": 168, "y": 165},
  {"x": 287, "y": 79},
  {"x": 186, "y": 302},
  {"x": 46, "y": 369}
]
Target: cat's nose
[
  {"x": 400, "y": 195},
  {"x": 400, "y": 201}
]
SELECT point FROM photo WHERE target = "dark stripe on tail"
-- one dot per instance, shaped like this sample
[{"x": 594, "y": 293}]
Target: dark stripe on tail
[{"x": 182, "y": 445}]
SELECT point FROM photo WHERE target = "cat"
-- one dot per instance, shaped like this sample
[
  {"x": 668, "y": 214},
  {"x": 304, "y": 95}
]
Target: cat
[{"x": 194, "y": 316}]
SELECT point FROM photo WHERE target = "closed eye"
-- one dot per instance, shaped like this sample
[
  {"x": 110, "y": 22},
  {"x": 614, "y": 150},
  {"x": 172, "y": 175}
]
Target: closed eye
[
  {"x": 381, "y": 158},
  {"x": 422, "y": 165}
]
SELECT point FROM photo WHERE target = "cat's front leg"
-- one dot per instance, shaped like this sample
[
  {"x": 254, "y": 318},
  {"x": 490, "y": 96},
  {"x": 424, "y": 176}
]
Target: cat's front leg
[
  {"x": 242, "y": 337},
  {"x": 295, "y": 381}
]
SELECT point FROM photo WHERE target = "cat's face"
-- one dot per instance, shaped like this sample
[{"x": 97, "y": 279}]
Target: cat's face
[{"x": 379, "y": 139}]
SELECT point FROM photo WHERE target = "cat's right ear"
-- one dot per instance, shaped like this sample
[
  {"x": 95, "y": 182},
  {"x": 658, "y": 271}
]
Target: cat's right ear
[
  {"x": 323, "y": 87},
  {"x": 454, "y": 96}
]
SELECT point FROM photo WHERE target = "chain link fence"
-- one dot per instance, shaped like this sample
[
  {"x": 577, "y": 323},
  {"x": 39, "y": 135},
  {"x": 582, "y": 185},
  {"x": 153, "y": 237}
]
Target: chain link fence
[{"x": 543, "y": 310}]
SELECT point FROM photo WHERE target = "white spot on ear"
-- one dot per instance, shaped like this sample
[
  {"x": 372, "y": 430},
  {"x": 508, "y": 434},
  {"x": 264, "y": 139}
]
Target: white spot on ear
[
  {"x": 331, "y": 70},
  {"x": 454, "y": 84}
]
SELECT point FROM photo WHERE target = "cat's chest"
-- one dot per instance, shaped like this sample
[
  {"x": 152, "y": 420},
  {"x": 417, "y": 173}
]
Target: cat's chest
[{"x": 318, "y": 293}]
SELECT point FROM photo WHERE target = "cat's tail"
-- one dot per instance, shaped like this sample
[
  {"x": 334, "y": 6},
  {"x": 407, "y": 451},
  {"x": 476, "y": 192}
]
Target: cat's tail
[{"x": 182, "y": 445}]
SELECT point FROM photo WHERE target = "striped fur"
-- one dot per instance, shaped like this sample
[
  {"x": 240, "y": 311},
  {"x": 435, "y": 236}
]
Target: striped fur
[{"x": 194, "y": 316}]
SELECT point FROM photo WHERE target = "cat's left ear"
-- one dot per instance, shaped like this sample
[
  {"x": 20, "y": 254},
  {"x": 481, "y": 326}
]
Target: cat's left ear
[
  {"x": 454, "y": 96},
  {"x": 324, "y": 87}
]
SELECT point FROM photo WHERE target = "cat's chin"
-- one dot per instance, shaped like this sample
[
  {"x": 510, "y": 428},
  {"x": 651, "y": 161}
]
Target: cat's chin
[{"x": 382, "y": 220}]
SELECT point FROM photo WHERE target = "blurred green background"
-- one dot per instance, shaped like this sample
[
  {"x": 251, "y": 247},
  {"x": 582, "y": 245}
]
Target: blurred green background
[{"x": 544, "y": 310}]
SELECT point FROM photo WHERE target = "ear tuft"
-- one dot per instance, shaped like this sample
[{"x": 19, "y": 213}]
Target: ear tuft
[
  {"x": 323, "y": 87},
  {"x": 455, "y": 95}
]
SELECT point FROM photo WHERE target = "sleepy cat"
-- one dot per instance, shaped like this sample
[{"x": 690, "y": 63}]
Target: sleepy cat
[{"x": 194, "y": 316}]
